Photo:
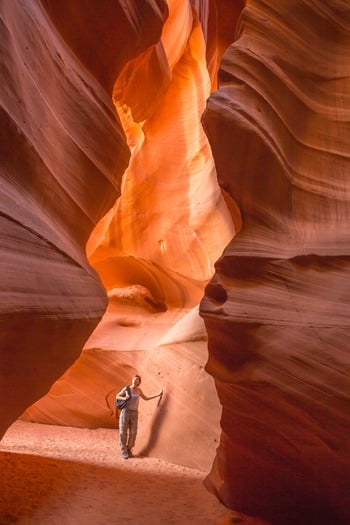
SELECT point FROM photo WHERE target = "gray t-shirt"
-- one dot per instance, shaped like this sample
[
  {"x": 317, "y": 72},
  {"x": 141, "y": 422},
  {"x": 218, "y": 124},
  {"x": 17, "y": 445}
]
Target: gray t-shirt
[{"x": 133, "y": 403}]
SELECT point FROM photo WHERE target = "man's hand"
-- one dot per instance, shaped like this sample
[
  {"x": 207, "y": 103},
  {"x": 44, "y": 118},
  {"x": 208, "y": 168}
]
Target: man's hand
[{"x": 160, "y": 395}]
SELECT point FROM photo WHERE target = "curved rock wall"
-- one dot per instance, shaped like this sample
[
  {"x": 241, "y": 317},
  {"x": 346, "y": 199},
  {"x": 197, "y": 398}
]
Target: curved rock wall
[
  {"x": 63, "y": 153},
  {"x": 276, "y": 310},
  {"x": 170, "y": 203},
  {"x": 155, "y": 251}
]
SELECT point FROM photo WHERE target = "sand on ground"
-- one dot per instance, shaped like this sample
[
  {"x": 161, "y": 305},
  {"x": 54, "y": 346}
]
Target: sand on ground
[{"x": 54, "y": 475}]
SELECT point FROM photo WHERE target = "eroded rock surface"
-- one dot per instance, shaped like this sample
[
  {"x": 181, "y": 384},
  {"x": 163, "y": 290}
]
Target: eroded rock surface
[
  {"x": 154, "y": 252},
  {"x": 276, "y": 310},
  {"x": 63, "y": 152},
  {"x": 105, "y": 165}
]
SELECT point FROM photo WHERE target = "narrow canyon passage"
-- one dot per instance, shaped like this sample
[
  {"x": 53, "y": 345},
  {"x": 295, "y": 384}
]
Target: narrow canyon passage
[
  {"x": 154, "y": 252},
  {"x": 174, "y": 201}
]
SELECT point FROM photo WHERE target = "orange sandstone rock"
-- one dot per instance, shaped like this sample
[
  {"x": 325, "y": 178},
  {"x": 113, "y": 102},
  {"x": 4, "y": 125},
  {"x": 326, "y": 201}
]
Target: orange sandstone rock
[{"x": 155, "y": 251}]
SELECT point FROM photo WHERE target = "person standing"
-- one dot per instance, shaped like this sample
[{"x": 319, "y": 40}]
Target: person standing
[{"x": 128, "y": 418}]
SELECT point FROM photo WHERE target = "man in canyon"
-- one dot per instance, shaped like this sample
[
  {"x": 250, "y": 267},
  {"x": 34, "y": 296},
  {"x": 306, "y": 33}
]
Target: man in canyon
[{"x": 128, "y": 417}]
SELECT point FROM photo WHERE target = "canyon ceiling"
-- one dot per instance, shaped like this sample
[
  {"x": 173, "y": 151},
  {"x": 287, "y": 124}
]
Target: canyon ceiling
[{"x": 174, "y": 200}]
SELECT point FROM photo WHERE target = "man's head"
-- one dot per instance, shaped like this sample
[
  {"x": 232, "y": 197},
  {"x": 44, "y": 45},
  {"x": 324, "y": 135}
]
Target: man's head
[{"x": 136, "y": 380}]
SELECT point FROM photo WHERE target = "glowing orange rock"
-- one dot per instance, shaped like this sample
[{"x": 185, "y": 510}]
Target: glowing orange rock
[{"x": 155, "y": 251}]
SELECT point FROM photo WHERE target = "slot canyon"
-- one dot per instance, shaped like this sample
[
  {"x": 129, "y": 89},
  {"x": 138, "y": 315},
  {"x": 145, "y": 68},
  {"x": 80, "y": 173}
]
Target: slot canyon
[{"x": 174, "y": 202}]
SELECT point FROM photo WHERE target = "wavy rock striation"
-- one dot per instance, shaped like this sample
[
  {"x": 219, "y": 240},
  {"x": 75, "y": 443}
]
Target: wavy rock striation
[
  {"x": 155, "y": 251},
  {"x": 104, "y": 164},
  {"x": 63, "y": 152},
  {"x": 276, "y": 310}
]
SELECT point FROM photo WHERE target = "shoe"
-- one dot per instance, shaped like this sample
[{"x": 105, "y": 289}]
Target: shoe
[
  {"x": 125, "y": 455},
  {"x": 130, "y": 454}
]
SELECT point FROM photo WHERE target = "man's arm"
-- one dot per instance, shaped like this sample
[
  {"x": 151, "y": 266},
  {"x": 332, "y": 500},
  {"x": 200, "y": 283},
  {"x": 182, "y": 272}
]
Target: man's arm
[{"x": 147, "y": 398}]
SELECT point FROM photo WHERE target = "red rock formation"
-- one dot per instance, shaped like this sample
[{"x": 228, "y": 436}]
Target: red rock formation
[
  {"x": 154, "y": 252},
  {"x": 62, "y": 156},
  {"x": 276, "y": 310},
  {"x": 107, "y": 36}
]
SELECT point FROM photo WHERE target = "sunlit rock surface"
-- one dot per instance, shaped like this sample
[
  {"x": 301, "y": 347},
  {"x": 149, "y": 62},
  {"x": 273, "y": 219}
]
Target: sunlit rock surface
[
  {"x": 154, "y": 252},
  {"x": 277, "y": 309},
  {"x": 166, "y": 356},
  {"x": 110, "y": 211}
]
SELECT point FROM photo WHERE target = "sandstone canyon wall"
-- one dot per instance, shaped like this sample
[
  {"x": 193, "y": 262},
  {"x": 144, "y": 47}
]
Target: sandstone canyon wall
[
  {"x": 155, "y": 248},
  {"x": 112, "y": 221},
  {"x": 276, "y": 311},
  {"x": 63, "y": 153}
]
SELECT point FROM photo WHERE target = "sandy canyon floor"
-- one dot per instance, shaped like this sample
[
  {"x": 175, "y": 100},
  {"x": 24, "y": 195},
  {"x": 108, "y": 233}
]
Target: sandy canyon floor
[{"x": 52, "y": 475}]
